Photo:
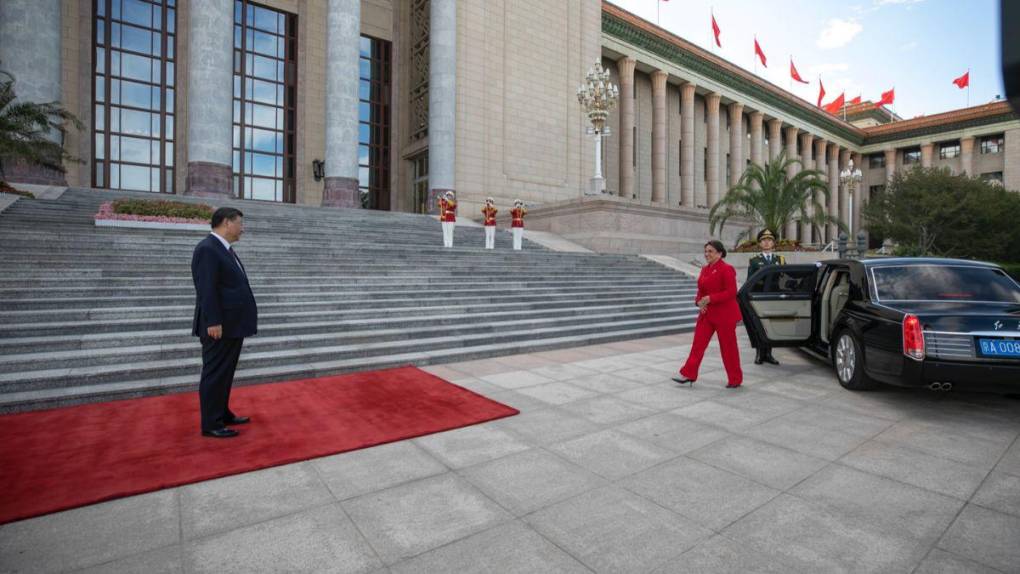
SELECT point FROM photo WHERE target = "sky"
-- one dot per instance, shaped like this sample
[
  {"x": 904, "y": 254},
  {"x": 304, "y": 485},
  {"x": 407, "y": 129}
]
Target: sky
[{"x": 861, "y": 46}]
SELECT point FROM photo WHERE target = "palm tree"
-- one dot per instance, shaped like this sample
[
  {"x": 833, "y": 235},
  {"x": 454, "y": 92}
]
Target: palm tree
[
  {"x": 25, "y": 128},
  {"x": 771, "y": 199}
]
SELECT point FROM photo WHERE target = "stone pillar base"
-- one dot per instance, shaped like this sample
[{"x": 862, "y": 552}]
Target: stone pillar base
[
  {"x": 20, "y": 171},
  {"x": 207, "y": 179},
  {"x": 341, "y": 192},
  {"x": 597, "y": 186}
]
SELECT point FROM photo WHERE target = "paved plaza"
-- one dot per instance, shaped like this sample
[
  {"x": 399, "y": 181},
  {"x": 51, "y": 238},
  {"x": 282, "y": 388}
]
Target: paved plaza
[{"x": 610, "y": 467}]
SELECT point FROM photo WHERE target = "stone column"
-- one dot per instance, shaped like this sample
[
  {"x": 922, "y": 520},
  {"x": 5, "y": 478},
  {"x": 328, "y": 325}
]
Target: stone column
[
  {"x": 860, "y": 193},
  {"x": 775, "y": 138},
  {"x": 833, "y": 190},
  {"x": 820, "y": 164},
  {"x": 687, "y": 144},
  {"x": 791, "y": 154},
  {"x": 926, "y": 153},
  {"x": 807, "y": 159},
  {"x": 343, "y": 38},
  {"x": 712, "y": 157},
  {"x": 844, "y": 196},
  {"x": 736, "y": 142},
  {"x": 625, "y": 66},
  {"x": 756, "y": 137},
  {"x": 442, "y": 95},
  {"x": 890, "y": 164},
  {"x": 30, "y": 50},
  {"x": 967, "y": 156},
  {"x": 660, "y": 131},
  {"x": 210, "y": 111}
]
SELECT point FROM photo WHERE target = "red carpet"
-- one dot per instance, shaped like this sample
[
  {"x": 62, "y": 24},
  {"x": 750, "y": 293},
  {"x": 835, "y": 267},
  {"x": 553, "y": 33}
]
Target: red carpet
[{"x": 64, "y": 458}]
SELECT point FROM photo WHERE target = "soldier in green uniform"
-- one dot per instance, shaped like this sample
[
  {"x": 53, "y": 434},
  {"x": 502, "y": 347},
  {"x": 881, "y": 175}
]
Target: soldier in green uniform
[{"x": 767, "y": 243}]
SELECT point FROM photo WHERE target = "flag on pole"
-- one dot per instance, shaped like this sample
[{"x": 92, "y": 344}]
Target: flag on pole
[
  {"x": 759, "y": 53},
  {"x": 855, "y": 101},
  {"x": 887, "y": 98},
  {"x": 834, "y": 106},
  {"x": 963, "y": 81},
  {"x": 796, "y": 77},
  {"x": 716, "y": 31},
  {"x": 821, "y": 91}
]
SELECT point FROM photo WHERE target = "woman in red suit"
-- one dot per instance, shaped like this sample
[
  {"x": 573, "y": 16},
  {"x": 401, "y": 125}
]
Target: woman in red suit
[{"x": 719, "y": 313}]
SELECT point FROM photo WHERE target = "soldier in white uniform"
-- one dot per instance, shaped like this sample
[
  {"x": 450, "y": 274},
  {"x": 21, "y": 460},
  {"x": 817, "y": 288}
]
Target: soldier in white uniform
[
  {"x": 448, "y": 216},
  {"x": 517, "y": 223},
  {"x": 489, "y": 212}
]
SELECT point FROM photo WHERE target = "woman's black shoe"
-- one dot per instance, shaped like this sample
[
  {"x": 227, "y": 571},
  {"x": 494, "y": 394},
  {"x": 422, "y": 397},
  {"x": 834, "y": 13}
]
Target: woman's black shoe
[{"x": 683, "y": 381}]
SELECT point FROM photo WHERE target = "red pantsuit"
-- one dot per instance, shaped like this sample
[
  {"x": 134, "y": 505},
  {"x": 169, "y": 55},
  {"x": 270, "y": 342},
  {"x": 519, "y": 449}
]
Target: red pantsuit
[{"x": 719, "y": 282}]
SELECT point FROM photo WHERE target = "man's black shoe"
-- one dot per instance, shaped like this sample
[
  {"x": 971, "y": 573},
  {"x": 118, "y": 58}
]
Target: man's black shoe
[
  {"x": 220, "y": 433},
  {"x": 771, "y": 360}
]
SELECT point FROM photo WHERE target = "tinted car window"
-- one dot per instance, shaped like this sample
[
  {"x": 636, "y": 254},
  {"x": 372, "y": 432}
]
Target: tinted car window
[
  {"x": 944, "y": 283},
  {"x": 799, "y": 281}
]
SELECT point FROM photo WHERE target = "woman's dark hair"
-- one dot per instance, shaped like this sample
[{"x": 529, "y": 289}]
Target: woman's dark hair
[
  {"x": 224, "y": 213},
  {"x": 718, "y": 246}
]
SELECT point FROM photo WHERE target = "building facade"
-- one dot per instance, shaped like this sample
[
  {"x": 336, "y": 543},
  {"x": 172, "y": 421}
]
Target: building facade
[{"x": 380, "y": 104}]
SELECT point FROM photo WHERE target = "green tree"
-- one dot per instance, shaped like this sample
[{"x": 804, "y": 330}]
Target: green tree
[
  {"x": 25, "y": 128},
  {"x": 771, "y": 199},
  {"x": 933, "y": 212}
]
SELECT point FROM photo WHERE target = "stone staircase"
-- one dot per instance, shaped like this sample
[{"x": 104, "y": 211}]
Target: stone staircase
[{"x": 90, "y": 314}]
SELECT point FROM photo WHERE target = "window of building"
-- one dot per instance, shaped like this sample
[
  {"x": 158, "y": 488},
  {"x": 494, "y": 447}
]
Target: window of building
[
  {"x": 680, "y": 164},
  {"x": 992, "y": 144},
  {"x": 875, "y": 190},
  {"x": 265, "y": 86},
  {"x": 949, "y": 150},
  {"x": 374, "y": 123},
  {"x": 728, "y": 173},
  {"x": 911, "y": 156},
  {"x": 994, "y": 177},
  {"x": 133, "y": 94},
  {"x": 876, "y": 160},
  {"x": 419, "y": 69}
]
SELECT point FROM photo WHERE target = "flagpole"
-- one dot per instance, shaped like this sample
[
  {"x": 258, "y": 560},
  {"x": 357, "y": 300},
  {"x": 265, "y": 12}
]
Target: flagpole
[
  {"x": 968, "y": 87},
  {"x": 658, "y": 10}
]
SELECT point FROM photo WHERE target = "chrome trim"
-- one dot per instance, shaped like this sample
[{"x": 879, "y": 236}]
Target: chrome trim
[
  {"x": 978, "y": 333},
  {"x": 949, "y": 346}
]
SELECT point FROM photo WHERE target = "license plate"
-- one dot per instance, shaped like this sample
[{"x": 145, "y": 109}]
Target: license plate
[{"x": 999, "y": 348}]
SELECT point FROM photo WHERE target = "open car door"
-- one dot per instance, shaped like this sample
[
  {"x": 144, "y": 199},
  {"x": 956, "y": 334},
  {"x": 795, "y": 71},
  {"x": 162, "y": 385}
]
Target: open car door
[{"x": 777, "y": 303}]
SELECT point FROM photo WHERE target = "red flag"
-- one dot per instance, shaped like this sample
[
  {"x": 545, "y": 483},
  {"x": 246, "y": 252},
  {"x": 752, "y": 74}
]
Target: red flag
[
  {"x": 834, "y": 106},
  {"x": 716, "y": 31},
  {"x": 855, "y": 101},
  {"x": 796, "y": 77},
  {"x": 821, "y": 91},
  {"x": 963, "y": 81},
  {"x": 759, "y": 53},
  {"x": 887, "y": 98}
]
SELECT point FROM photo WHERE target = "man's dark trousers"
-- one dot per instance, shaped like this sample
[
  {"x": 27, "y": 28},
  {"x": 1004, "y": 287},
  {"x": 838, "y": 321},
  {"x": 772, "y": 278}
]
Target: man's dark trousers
[{"x": 219, "y": 361}]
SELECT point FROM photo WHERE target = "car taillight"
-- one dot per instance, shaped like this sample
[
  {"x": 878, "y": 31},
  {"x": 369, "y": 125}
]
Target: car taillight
[{"x": 913, "y": 338}]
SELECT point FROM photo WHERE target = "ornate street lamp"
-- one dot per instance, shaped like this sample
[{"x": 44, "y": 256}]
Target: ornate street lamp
[
  {"x": 597, "y": 95},
  {"x": 851, "y": 178}
]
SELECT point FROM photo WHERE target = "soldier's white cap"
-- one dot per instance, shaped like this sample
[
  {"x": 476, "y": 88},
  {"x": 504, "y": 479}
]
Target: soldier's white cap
[
  {"x": 449, "y": 193},
  {"x": 518, "y": 202},
  {"x": 490, "y": 200}
]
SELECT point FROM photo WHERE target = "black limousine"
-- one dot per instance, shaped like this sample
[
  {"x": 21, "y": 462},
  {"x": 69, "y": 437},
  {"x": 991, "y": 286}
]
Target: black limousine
[{"x": 916, "y": 322}]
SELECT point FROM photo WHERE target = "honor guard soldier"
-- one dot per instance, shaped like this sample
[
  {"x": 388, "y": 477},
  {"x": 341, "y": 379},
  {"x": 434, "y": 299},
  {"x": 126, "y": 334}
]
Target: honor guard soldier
[
  {"x": 517, "y": 223},
  {"x": 767, "y": 243},
  {"x": 489, "y": 211},
  {"x": 448, "y": 216}
]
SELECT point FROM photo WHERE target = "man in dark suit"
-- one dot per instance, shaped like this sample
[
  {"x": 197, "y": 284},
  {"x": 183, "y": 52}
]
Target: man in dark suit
[
  {"x": 767, "y": 243},
  {"x": 225, "y": 313}
]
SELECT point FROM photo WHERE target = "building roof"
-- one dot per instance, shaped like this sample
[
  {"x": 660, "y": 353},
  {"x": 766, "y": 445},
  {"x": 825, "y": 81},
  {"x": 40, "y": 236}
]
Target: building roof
[{"x": 637, "y": 31}]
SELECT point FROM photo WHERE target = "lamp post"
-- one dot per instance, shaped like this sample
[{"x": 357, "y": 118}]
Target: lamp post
[
  {"x": 597, "y": 95},
  {"x": 851, "y": 177}
]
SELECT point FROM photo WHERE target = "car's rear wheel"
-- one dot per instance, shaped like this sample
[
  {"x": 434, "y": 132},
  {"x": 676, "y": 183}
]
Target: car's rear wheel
[{"x": 848, "y": 362}]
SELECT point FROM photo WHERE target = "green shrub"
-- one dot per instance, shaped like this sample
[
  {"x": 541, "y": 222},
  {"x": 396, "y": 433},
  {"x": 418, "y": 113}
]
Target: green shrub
[
  {"x": 6, "y": 188},
  {"x": 163, "y": 208}
]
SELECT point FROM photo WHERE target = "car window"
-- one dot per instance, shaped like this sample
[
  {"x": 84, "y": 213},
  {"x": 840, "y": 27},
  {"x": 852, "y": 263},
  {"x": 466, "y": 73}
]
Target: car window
[
  {"x": 944, "y": 283},
  {"x": 787, "y": 281}
]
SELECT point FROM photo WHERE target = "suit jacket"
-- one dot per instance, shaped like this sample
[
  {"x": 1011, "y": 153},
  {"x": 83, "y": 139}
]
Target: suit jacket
[
  {"x": 222, "y": 293},
  {"x": 759, "y": 261},
  {"x": 719, "y": 282}
]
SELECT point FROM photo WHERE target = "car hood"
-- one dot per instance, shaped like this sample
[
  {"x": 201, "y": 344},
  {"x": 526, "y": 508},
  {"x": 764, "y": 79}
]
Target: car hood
[{"x": 962, "y": 317}]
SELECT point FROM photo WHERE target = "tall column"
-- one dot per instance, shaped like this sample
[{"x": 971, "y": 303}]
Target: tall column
[
  {"x": 926, "y": 153},
  {"x": 659, "y": 133},
  {"x": 808, "y": 163},
  {"x": 712, "y": 158},
  {"x": 791, "y": 170},
  {"x": 967, "y": 156},
  {"x": 859, "y": 195},
  {"x": 30, "y": 50},
  {"x": 775, "y": 138},
  {"x": 890, "y": 164},
  {"x": 833, "y": 210},
  {"x": 343, "y": 29},
  {"x": 625, "y": 66},
  {"x": 687, "y": 144},
  {"x": 844, "y": 196},
  {"x": 736, "y": 142},
  {"x": 210, "y": 112},
  {"x": 820, "y": 164},
  {"x": 756, "y": 135},
  {"x": 442, "y": 95}
]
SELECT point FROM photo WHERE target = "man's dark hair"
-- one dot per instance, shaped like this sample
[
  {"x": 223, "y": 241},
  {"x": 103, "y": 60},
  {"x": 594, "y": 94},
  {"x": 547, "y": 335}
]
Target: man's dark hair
[{"x": 224, "y": 213}]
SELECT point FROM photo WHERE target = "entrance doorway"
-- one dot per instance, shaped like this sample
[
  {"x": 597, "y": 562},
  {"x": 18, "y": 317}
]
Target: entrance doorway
[{"x": 420, "y": 182}]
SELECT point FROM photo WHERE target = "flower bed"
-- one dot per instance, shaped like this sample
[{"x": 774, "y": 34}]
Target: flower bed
[
  {"x": 157, "y": 214},
  {"x": 781, "y": 245}
]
